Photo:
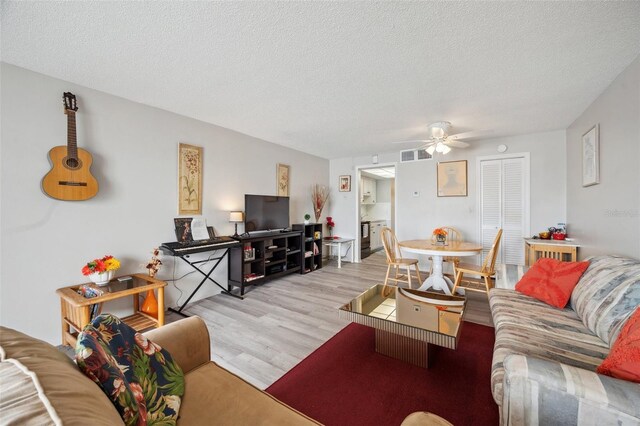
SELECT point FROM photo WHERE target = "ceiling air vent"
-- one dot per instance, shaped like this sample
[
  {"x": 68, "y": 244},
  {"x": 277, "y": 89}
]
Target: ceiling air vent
[{"x": 414, "y": 155}]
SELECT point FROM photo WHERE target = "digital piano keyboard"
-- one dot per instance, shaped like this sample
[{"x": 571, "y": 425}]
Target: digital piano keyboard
[{"x": 181, "y": 249}]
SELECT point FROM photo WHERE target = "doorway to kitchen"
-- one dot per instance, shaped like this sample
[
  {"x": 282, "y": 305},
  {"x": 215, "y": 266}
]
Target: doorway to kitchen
[{"x": 376, "y": 207}]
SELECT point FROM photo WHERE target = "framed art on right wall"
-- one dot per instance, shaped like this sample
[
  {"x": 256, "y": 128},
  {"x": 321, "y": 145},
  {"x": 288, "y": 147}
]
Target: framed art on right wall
[{"x": 591, "y": 156}]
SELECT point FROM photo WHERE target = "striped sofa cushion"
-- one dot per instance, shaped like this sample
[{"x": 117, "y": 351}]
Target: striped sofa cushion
[
  {"x": 527, "y": 326},
  {"x": 607, "y": 294}
]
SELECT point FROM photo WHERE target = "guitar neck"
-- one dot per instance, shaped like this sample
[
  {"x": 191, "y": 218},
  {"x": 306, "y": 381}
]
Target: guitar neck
[{"x": 72, "y": 144}]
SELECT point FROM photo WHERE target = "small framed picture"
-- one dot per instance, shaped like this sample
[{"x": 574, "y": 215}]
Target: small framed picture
[
  {"x": 282, "y": 172},
  {"x": 591, "y": 156},
  {"x": 345, "y": 183},
  {"x": 250, "y": 254},
  {"x": 452, "y": 178}
]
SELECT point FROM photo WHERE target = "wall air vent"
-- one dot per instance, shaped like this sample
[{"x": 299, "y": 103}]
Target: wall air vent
[{"x": 414, "y": 155}]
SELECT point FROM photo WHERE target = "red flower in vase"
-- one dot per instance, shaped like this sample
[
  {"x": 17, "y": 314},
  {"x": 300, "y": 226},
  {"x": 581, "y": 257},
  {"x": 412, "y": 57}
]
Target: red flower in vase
[{"x": 330, "y": 222}]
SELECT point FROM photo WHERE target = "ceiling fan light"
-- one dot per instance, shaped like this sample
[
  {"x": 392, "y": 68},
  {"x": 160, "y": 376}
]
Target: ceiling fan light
[
  {"x": 440, "y": 147},
  {"x": 430, "y": 149},
  {"x": 446, "y": 149}
]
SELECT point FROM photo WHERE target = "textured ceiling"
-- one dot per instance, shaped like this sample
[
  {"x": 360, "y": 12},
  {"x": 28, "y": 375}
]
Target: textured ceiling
[{"x": 336, "y": 78}]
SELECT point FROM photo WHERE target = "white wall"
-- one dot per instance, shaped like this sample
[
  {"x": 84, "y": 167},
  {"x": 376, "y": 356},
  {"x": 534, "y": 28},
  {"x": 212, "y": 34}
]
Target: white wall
[
  {"x": 417, "y": 216},
  {"x": 45, "y": 242},
  {"x": 605, "y": 218}
]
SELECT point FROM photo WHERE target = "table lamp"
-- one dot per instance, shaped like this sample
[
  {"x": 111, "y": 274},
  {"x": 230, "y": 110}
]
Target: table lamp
[{"x": 236, "y": 217}]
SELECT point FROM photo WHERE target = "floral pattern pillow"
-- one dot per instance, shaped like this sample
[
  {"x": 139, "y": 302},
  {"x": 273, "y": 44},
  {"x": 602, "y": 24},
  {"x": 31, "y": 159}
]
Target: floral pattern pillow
[{"x": 140, "y": 378}]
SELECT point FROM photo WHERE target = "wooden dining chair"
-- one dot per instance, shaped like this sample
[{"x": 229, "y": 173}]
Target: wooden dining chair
[
  {"x": 486, "y": 271},
  {"x": 395, "y": 260},
  {"x": 452, "y": 235}
]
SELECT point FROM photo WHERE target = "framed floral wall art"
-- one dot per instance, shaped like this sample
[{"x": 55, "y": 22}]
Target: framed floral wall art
[
  {"x": 189, "y": 179},
  {"x": 591, "y": 157},
  {"x": 282, "y": 178}
]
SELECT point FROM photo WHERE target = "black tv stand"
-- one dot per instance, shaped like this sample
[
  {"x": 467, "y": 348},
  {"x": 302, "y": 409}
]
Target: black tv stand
[{"x": 263, "y": 257}]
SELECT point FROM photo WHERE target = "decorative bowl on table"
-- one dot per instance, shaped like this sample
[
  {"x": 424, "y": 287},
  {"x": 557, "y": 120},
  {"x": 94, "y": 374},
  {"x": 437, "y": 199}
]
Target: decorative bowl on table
[
  {"x": 101, "y": 278},
  {"x": 559, "y": 236},
  {"x": 545, "y": 235}
]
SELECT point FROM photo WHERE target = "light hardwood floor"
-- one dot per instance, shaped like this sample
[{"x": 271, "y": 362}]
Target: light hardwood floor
[{"x": 280, "y": 323}]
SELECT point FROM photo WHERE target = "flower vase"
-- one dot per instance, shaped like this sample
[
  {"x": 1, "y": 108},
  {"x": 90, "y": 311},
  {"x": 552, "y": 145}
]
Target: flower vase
[
  {"x": 318, "y": 214},
  {"x": 101, "y": 278},
  {"x": 150, "y": 304}
]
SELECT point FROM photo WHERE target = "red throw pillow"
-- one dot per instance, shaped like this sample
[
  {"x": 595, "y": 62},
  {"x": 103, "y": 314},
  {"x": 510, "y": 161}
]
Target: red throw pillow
[
  {"x": 623, "y": 362},
  {"x": 551, "y": 281}
]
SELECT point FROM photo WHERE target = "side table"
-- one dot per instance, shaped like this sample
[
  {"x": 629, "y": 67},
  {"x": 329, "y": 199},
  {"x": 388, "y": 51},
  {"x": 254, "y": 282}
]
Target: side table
[
  {"x": 562, "y": 250},
  {"x": 75, "y": 309},
  {"x": 338, "y": 242}
]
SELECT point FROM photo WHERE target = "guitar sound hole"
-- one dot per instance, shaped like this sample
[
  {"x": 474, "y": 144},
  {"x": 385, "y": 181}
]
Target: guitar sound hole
[{"x": 72, "y": 163}]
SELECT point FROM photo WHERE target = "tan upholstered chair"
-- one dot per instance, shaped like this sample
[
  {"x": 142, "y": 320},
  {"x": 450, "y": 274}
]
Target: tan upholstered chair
[
  {"x": 395, "y": 260},
  {"x": 486, "y": 271},
  {"x": 452, "y": 235}
]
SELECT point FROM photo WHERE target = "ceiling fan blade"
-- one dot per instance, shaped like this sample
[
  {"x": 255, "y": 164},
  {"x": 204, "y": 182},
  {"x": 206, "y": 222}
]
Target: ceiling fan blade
[
  {"x": 457, "y": 144},
  {"x": 471, "y": 134},
  {"x": 414, "y": 141}
]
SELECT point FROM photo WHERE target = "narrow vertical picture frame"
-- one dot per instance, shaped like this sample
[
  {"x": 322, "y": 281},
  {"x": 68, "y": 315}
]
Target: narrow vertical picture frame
[
  {"x": 344, "y": 183},
  {"x": 591, "y": 156},
  {"x": 189, "y": 179},
  {"x": 452, "y": 178},
  {"x": 282, "y": 180}
]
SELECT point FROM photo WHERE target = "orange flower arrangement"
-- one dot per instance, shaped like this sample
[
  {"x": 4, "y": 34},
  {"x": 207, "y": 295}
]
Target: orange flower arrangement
[
  {"x": 440, "y": 232},
  {"x": 107, "y": 263}
]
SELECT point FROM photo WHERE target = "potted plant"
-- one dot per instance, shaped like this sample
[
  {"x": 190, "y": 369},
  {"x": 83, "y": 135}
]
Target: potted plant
[{"x": 307, "y": 216}]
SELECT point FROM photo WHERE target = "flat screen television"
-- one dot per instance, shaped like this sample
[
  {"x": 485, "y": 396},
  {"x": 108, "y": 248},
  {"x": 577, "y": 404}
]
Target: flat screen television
[{"x": 265, "y": 212}]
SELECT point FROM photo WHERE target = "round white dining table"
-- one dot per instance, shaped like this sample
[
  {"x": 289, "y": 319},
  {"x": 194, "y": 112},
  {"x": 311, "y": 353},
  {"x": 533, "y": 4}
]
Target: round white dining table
[{"x": 437, "y": 279}]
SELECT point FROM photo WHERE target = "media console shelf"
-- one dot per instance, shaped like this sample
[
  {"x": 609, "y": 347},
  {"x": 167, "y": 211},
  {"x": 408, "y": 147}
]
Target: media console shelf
[
  {"x": 312, "y": 234},
  {"x": 263, "y": 257}
]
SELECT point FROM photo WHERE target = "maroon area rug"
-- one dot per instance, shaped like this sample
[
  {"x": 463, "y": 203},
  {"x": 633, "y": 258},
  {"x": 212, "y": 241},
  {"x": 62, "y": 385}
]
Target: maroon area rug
[{"x": 345, "y": 382}]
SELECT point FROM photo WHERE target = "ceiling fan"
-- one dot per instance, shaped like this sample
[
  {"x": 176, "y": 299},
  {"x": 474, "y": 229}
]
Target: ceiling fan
[{"x": 439, "y": 139}]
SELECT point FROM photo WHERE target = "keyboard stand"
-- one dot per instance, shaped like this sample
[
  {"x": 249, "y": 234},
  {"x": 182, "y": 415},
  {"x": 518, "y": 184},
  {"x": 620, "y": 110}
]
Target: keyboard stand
[{"x": 207, "y": 276}]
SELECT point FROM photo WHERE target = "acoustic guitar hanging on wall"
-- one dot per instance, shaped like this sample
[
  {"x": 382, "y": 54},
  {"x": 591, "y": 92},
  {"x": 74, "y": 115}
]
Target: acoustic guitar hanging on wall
[{"x": 70, "y": 178}]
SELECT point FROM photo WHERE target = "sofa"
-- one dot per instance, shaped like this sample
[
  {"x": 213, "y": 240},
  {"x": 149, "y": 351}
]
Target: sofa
[
  {"x": 545, "y": 359},
  {"x": 40, "y": 385},
  {"x": 43, "y": 386}
]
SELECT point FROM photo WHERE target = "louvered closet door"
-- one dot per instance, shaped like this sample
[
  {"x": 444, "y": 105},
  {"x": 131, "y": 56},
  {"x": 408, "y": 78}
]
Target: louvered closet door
[
  {"x": 513, "y": 213},
  {"x": 490, "y": 202},
  {"x": 503, "y": 205}
]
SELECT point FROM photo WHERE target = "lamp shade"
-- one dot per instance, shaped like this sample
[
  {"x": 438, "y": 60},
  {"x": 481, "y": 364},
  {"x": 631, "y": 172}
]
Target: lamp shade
[{"x": 236, "y": 217}]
